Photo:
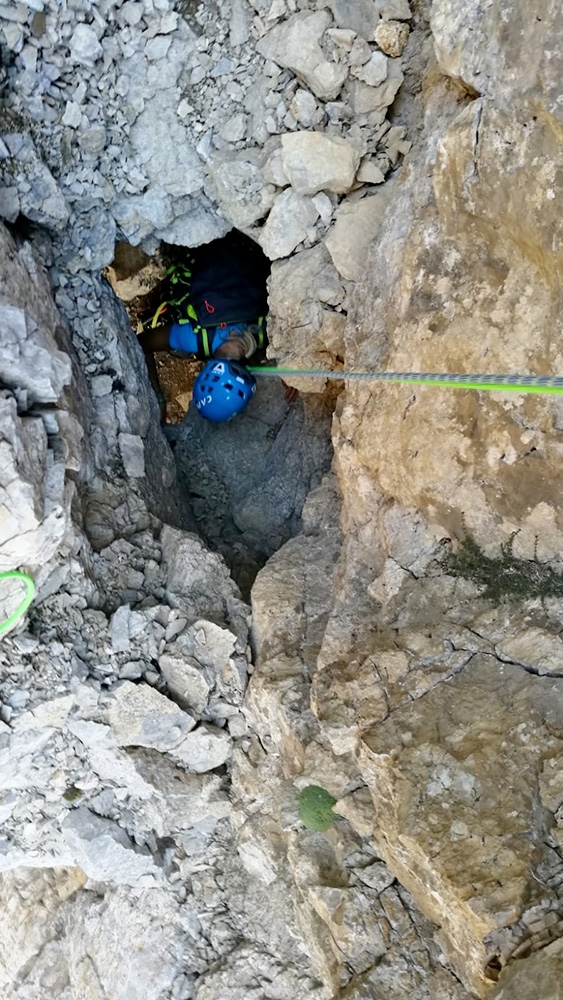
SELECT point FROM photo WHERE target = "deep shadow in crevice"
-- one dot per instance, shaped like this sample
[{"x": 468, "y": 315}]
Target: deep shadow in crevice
[{"x": 247, "y": 480}]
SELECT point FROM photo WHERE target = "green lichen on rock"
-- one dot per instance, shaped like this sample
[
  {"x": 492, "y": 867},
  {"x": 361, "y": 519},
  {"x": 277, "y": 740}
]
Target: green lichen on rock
[
  {"x": 506, "y": 577},
  {"x": 315, "y": 808},
  {"x": 72, "y": 793}
]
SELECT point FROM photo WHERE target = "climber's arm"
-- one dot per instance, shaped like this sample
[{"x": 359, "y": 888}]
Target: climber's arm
[{"x": 155, "y": 340}]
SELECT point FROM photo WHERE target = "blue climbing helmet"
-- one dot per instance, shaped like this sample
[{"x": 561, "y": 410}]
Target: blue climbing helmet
[{"x": 223, "y": 389}]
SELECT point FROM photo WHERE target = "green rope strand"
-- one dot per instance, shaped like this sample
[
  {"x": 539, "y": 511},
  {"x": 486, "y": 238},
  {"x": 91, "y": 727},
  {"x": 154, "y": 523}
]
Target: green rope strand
[
  {"x": 493, "y": 383},
  {"x": 24, "y": 603}
]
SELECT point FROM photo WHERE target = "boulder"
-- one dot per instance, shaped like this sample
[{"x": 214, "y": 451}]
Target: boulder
[
  {"x": 374, "y": 71},
  {"x": 185, "y": 681},
  {"x": 305, "y": 109},
  {"x": 392, "y": 36},
  {"x": 398, "y": 10},
  {"x": 295, "y": 44},
  {"x": 272, "y": 170},
  {"x": 364, "y": 99},
  {"x": 204, "y": 749},
  {"x": 104, "y": 851},
  {"x": 316, "y": 162},
  {"x": 198, "y": 581},
  {"x": 287, "y": 225},
  {"x": 237, "y": 185},
  {"x": 84, "y": 45},
  {"x": 360, "y": 16},
  {"x": 140, "y": 716}
]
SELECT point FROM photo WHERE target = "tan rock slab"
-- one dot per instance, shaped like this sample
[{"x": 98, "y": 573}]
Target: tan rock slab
[
  {"x": 454, "y": 777},
  {"x": 357, "y": 224}
]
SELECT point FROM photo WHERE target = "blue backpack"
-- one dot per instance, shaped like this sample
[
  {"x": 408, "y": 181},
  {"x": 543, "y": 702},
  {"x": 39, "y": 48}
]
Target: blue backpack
[{"x": 219, "y": 283}]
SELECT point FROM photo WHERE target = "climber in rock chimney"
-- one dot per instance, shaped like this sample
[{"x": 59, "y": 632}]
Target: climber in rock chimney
[{"x": 216, "y": 312}]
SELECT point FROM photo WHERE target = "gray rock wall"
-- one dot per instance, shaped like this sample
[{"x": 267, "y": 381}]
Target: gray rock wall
[
  {"x": 417, "y": 667},
  {"x": 153, "y": 738},
  {"x": 44, "y": 453}
]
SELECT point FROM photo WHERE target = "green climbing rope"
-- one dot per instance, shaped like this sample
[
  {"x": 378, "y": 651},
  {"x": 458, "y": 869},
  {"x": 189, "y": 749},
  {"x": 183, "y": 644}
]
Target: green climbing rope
[
  {"x": 25, "y": 601},
  {"x": 493, "y": 383}
]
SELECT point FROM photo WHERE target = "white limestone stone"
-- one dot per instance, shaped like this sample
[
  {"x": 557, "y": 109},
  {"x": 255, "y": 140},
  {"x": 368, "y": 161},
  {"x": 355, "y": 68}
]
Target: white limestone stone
[{"x": 315, "y": 162}]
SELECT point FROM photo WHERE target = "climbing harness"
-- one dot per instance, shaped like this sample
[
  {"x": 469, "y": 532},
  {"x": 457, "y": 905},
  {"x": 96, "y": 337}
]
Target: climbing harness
[
  {"x": 16, "y": 594},
  {"x": 180, "y": 278},
  {"x": 493, "y": 383}
]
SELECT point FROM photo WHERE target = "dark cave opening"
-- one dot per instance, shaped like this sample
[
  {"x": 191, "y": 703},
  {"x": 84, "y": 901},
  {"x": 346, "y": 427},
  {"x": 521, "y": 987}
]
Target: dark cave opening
[{"x": 246, "y": 480}]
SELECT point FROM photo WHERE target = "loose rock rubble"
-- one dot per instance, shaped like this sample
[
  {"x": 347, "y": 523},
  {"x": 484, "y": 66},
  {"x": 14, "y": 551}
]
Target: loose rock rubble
[
  {"x": 157, "y": 123},
  {"x": 175, "y": 110}
]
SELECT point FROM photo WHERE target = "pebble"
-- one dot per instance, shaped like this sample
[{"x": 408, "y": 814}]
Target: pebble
[
  {"x": 157, "y": 48},
  {"x": 84, "y": 45},
  {"x": 131, "y": 671},
  {"x": 16, "y": 13},
  {"x": 72, "y": 115},
  {"x": 13, "y": 36},
  {"x": 131, "y": 12},
  {"x": 19, "y": 699},
  {"x": 26, "y": 643}
]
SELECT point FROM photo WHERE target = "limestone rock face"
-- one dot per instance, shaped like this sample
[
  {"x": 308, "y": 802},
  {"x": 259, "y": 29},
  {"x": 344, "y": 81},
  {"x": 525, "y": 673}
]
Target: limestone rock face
[
  {"x": 349, "y": 920},
  {"x": 485, "y": 466},
  {"x": 38, "y": 451},
  {"x": 444, "y": 703},
  {"x": 451, "y": 776},
  {"x": 499, "y": 50},
  {"x": 539, "y": 976},
  {"x": 32, "y": 188},
  {"x": 305, "y": 292},
  {"x": 356, "y": 226},
  {"x": 31, "y": 357}
]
